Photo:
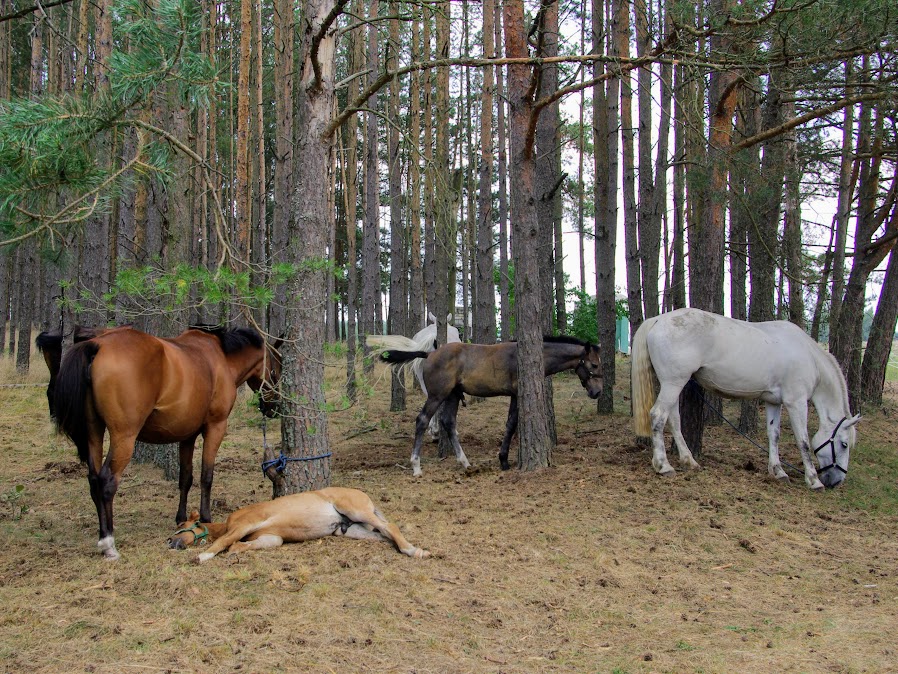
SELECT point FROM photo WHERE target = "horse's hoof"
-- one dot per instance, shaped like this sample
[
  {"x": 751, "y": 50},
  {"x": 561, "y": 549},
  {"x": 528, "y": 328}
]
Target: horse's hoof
[
  {"x": 818, "y": 487},
  {"x": 505, "y": 465},
  {"x": 783, "y": 478},
  {"x": 204, "y": 557},
  {"x": 420, "y": 553},
  {"x": 668, "y": 473},
  {"x": 111, "y": 554}
]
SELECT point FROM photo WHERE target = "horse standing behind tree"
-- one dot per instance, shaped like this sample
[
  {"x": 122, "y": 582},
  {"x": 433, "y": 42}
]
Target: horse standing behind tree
[
  {"x": 489, "y": 370},
  {"x": 424, "y": 340},
  {"x": 141, "y": 387},
  {"x": 775, "y": 361}
]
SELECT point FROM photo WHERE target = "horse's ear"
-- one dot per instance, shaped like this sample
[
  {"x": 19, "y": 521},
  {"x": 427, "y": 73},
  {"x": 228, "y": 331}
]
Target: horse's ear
[
  {"x": 194, "y": 516},
  {"x": 852, "y": 421},
  {"x": 431, "y": 317},
  {"x": 279, "y": 342}
]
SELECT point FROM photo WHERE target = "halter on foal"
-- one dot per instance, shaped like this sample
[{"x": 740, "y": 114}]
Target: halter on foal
[
  {"x": 141, "y": 387},
  {"x": 334, "y": 511},
  {"x": 489, "y": 370}
]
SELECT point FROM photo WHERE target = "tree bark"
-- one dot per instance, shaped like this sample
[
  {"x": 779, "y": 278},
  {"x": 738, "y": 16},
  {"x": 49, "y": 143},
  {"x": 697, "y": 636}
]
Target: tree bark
[
  {"x": 371, "y": 229},
  {"x": 533, "y": 432},
  {"x": 484, "y": 284},
  {"x": 605, "y": 110},
  {"x": 882, "y": 334},
  {"x": 398, "y": 245},
  {"x": 304, "y": 432}
]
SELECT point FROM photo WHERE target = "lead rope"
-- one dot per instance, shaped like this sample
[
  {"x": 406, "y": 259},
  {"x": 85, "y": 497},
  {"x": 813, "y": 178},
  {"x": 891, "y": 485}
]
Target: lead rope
[
  {"x": 764, "y": 450},
  {"x": 280, "y": 463}
]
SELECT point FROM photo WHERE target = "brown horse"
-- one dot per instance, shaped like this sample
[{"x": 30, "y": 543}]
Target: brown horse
[
  {"x": 489, "y": 370},
  {"x": 334, "y": 511},
  {"x": 141, "y": 387},
  {"x": 50, "y": 346}
]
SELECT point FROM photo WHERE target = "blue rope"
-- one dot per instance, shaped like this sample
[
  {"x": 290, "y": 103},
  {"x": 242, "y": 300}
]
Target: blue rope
[{"x": 280, "y": 463}]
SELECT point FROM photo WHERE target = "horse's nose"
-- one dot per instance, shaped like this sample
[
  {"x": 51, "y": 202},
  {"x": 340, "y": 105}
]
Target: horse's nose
[{"x": 176, "y": 544}]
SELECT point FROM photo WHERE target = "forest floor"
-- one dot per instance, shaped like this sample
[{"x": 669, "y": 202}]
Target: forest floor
[{"x": 593, "y": 565}]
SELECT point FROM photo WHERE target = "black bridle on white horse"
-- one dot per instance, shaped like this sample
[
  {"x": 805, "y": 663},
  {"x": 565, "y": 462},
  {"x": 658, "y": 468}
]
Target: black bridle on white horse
[{"x": 832, "y": 442}]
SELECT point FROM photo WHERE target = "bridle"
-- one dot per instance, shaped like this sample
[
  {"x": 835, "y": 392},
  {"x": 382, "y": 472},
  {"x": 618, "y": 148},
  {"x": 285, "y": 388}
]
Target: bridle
[
  {"x": 832, "y": 443},
  {"x": 193, "y": 529},
  {"x": 581, "y": 365}
]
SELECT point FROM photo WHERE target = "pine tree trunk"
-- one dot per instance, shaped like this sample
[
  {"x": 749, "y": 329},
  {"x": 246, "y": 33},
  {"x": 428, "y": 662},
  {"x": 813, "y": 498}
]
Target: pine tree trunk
[
  {"x": 416, "y": 314},
  {"x": 606, "y": 114},
  {"x": 882, "y": 331},
  {"x": 506, "y": 328},
  {"x": 304, "y": 433},
  {"x": 484, "y": 285},
  {"x": 398, "y": 247},
  {"x": 533, "y": 431},
  {"x": 371, "y": 229}
]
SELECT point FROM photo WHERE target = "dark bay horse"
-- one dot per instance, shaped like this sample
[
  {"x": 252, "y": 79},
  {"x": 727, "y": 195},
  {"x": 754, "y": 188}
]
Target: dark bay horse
[
  {"x": 50, "y": 346},
  {"x": 140, "y": 387},
  {"x": 489, "y": 370}
]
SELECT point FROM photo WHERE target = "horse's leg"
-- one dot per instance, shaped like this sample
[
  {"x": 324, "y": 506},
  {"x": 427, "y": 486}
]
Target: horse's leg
[
  {"x": 448, "y": 417},
  {"x": 258, "y": 542},
  {"x": 212, "y": 437},
  {"x": 121, "y": 449},
  {"x": 424, "y": 417},
  {"x": 99, "y": 478},
  {"x": 668, "y": 396},
  {"x": 687, "y": 461},
  {"x": 798, "y": 417},
  {"x": 774, "y": 467},
  {"x": 360, "y": 532},
  {"x": 185, "y": 476},
  {"x": 511, "y": 425},
  {"x": 362, "y": 511}
]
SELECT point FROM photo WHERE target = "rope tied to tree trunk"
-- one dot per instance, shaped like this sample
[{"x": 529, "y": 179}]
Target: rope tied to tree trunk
[{"x": 280, "y": 463}]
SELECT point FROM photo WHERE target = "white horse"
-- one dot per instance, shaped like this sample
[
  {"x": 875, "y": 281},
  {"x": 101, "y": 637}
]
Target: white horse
[
  {"x": 423, "y": 340},
  {"x": 775, "y": 361}
]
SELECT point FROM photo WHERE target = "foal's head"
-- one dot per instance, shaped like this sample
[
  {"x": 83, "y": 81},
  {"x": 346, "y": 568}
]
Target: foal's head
[
  {"x": 191, "y": 532},
  {"x": 589, "y": 369}
]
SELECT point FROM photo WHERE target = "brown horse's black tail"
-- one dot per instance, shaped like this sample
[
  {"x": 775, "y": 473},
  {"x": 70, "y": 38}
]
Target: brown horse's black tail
[
  {"x": 395, "y": 357},
  {"x": 72, "y": 390}
]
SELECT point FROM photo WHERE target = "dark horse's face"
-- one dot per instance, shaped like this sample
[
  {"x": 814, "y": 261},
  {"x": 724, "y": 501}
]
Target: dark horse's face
[
  {"x": 267, "y": 385},
  {"x": 589, "y": 369}
]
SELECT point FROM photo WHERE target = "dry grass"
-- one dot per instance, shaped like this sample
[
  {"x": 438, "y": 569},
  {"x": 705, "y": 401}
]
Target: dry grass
[{"x": 595, "y": 565}]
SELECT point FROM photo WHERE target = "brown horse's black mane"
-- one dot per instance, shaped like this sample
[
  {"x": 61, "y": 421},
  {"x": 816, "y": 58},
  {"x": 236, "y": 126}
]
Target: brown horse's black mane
[
  {"x": 233, "y": 339},
  {"x": 565, "y": 339}
]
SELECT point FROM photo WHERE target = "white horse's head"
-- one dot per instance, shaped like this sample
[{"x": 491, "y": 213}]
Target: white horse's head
[{"x": 832, "y": 448}]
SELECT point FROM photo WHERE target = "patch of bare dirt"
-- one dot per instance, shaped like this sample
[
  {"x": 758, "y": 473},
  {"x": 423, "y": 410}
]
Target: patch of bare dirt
[{"x": 595, "y": 564}]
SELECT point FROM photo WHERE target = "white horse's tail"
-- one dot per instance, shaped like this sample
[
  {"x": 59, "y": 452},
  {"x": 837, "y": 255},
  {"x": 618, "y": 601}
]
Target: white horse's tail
[
  {"x": 394, "y": 342},
  {"x": 642, "y": 381}
]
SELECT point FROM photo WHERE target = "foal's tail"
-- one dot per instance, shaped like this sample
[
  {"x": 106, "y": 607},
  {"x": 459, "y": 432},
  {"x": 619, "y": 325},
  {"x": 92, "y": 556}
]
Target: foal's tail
[
  {"x": 642, "y": 381},
  {"x": 72, "y": 390}
]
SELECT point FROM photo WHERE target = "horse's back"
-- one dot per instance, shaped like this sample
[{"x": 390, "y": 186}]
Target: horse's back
[
  {"x": 735, "y": 358},
  {"x": 476, "y": 369}
]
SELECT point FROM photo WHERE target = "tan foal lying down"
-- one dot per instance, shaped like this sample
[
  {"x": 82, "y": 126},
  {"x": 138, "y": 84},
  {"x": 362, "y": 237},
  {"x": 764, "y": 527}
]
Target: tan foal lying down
[{"x": 334, "y": 511}]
